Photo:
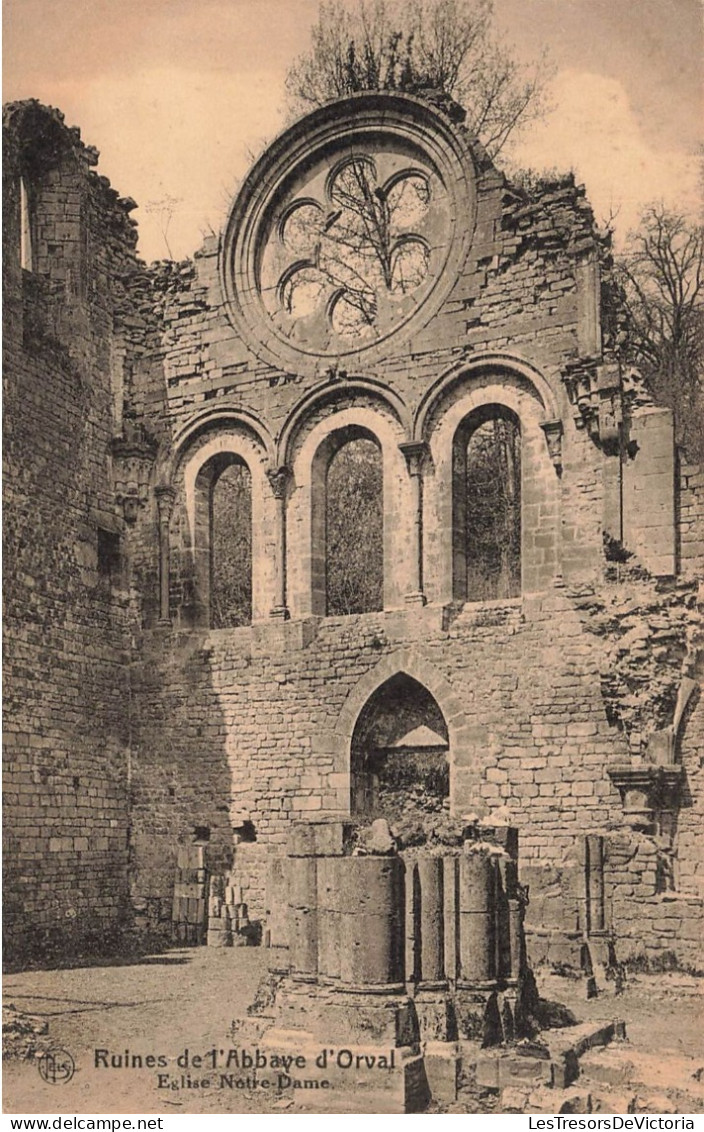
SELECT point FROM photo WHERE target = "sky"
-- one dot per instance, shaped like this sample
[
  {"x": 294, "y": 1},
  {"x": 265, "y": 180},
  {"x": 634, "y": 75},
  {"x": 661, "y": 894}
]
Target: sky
[{"x": 180, "y": 95}]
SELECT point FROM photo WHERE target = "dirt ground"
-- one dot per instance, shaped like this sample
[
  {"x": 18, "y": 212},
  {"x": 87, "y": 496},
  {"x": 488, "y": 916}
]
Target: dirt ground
[
  {"x": 187, "y": 999},
  {"x": 160, "y": 1005},
  {"x": 660, "y": 1067}
]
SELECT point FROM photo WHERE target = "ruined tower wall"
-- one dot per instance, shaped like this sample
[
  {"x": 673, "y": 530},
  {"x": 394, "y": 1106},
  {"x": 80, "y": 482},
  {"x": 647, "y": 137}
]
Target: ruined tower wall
[{"x": 66, "y": 635}]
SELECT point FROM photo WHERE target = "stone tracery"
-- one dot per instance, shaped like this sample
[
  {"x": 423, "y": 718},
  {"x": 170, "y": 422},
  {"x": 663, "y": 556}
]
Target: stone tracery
[
  {"x": 341, "y": 236},
  {"x": 357, "y": 251}
]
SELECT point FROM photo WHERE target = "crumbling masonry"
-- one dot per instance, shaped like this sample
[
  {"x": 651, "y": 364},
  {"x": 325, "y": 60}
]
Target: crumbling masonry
[{"x": 134, "y": 729}]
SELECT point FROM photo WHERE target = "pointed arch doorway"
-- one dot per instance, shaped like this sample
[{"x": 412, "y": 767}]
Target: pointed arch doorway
[{"x": 399, "y": 766}]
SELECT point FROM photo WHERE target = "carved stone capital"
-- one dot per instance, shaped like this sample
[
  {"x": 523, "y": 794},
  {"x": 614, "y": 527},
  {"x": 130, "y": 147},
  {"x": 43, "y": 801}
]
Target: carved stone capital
[
  {"x": 646, "y": 791},
  {"x": 279, "y": 479},
  {"x": 130, "y": 503},
  {"x": 415, "y": 452},
  {"x": 553, "y": 435},
  {"x": 610, "y": 407},
  {"x": 595, "y": 388},
  {"x": 133, "y": 455},
  {"x": 165, "y": 499}
]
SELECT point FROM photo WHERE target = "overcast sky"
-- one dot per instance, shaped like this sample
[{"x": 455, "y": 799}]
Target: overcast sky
[{"x": 178, "y": 94}]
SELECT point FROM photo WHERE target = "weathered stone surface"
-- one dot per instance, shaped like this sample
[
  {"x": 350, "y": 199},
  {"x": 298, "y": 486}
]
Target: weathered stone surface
[{"x": 122, "y": 380}]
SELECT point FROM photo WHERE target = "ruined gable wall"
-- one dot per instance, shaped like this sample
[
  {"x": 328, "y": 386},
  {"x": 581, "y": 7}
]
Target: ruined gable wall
[
  {"x": 524, "y": 290},
  {"x": 66, "y": 623},
  {"x": 239, "y": 724},
  {"x": 520, "y": 290},
  {"x": 250, "y": 706}
]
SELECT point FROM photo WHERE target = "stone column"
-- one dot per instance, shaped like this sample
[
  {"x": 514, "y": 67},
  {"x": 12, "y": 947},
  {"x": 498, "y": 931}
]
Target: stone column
[
  {"x": 451, "y": 917},
  {"x": 329, "y": 919},
  {"x": 412, "y": 944},
  {"x": 415, "y": 453},
  {"x": 610, "y": 418},
  {"x": 279, "y": 479},
  {"x": 515, "y": 928},
  {"x": 277, "y": 918},
  {"x": 165, "y": 497},
  {"x": 303, "y": 918},
  {"x": 431, "y": 923},
  {"x": 477, "y": 892},
  {"x": 553, "y": 434},
  {"x": 372, "y": 914}
]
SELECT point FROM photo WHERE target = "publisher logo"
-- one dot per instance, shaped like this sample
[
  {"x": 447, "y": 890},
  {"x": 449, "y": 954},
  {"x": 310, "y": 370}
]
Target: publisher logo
[{"x": 56, "y": 1066}]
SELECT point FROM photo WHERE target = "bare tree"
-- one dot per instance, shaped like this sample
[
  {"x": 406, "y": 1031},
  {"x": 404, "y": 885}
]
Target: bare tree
[
  {"x": 661, "y": 275},
  {"x": 447, "y": 45},
  {"x": 164, "y": 210}
]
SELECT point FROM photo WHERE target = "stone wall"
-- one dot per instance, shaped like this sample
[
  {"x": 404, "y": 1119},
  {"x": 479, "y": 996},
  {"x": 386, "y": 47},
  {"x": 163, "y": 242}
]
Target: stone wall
[
  {"x": 259, "y": 722},
  {"x": 691, "y": 519},
  {"x": 668, "y": 923},
  {"x": 262, "y": 721},
  {"x": 66, "y": 623},
  {"x": 132, "y": 722},
  {"x": 689, "y": 860}
]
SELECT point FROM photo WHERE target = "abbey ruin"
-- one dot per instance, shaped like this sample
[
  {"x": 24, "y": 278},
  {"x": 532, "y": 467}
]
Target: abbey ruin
[{"x": 378, "y": 280}]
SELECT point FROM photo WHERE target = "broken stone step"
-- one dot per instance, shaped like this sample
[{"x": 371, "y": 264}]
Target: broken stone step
[{"x": 600, "y": 1065}]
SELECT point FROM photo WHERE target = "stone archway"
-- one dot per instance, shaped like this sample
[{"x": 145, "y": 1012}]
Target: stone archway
[
  {"x": 464, "y": 742},
  {"x": 399, "y": 758}
]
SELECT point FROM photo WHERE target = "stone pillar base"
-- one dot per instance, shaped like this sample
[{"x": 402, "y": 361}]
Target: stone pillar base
[
  {"x": 443, "y": 1063},
  {"x": 436, "y": 1022},
  {"x": 343, "y": 1018},
  {"x": 415, "y": 598}
]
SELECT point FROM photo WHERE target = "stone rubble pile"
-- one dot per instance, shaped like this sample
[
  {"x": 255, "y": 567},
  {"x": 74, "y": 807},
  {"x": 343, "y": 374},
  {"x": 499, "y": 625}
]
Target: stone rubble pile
[
  {"x": 23, "y": 1035},
  {"x": 228, "y": 920}
]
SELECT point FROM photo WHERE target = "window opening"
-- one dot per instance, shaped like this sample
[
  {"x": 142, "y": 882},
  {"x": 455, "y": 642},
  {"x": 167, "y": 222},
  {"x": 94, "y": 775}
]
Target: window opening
[
  {"x": 487, "y": 508},
  {"x": 354, "y": 569},
  {"x": 400, "y": 747},
  {"x": 231, "y": 547},
  {"x": 109, "y": 561},
  {"x": 26, "y": 257}
]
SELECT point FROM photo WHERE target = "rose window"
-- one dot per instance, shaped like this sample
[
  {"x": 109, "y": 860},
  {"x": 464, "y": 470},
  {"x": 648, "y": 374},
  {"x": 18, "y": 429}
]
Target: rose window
[
  {"x": 344, "y": 262},
  {"x": 353, "y": 225}
]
